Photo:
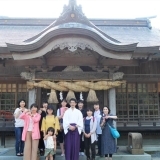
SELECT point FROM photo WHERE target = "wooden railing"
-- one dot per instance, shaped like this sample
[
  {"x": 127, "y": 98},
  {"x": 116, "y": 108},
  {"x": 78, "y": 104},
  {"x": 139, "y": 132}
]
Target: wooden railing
[
  {"x": 140, "y": 124},
  {"x": 7, "y": 115},
  {"x": 6, "y": 127}
]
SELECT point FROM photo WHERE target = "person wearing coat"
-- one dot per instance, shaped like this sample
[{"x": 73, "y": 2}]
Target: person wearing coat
[
  {"x": 31, "y": 134},
  {"x": 90, "y": 137}
]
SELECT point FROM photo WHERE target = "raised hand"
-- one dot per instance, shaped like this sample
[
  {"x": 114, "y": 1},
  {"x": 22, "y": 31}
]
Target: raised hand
[{"x": 106, "y": 117}]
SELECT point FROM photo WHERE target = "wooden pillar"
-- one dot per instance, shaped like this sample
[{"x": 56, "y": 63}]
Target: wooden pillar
[
  {"x": 38, "y": 97},
  {"x": 105, "y": 98}
]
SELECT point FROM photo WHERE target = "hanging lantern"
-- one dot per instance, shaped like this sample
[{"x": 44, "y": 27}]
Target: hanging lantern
[
  {"x": 70, "y": 95},
  {"x": 92, "y": 97},
  {"x": 53, "y": 97}
]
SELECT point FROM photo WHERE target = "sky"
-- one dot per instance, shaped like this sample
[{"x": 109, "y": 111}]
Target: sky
[{"x": 109, "y": 9}]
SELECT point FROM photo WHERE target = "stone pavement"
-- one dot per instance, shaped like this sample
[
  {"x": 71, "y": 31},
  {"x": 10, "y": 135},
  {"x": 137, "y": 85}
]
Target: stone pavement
[{"x": 9, "y": 154}]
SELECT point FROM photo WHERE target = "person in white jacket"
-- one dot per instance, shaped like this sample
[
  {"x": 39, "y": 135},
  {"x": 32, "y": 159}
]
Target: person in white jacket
[{"x": 90, "y": 137}]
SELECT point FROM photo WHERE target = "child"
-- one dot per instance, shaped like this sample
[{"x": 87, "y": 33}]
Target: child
[
  {"x": 90, "y": 125},
  {"x": 50, "y": 144}
]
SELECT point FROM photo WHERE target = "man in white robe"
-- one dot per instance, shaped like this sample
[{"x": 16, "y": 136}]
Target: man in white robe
[{"x": 72, "y": 125}]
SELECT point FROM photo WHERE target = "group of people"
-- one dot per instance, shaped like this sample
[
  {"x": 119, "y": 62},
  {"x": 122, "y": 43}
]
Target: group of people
[{"x": 78, "y": 129}]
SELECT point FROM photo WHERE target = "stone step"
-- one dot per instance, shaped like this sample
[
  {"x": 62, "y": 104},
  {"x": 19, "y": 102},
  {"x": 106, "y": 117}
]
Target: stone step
[
  {"x": 115, "y": 157},
  {"x": 132, "y": 157},
  {"x": 122, "y": 154}
]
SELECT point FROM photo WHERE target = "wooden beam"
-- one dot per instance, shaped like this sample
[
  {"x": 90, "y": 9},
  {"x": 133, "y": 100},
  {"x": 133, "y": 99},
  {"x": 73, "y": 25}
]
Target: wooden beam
[
  {"x": 67, "y": 61},
  {"x": 142, "y": 78},
  {"x": 71, "y": 75},
  {"x": 12, "y": 80}
]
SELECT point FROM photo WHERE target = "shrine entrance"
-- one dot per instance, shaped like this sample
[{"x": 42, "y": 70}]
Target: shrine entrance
[{"x": 100, "y": 95}]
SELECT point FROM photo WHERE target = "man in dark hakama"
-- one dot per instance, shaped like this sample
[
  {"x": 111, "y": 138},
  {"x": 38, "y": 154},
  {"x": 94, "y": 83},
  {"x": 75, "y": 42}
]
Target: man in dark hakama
[{"x": 73, "y": 125}]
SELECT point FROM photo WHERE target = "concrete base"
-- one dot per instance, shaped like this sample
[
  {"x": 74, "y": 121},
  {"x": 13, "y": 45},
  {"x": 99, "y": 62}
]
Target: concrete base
[
  {"x": 123, "y": 154},
  {"x": 135, "y": 151}
]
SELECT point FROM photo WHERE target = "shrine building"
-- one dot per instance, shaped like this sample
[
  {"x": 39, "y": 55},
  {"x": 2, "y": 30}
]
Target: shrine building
[{"x": 113, "y": 61}]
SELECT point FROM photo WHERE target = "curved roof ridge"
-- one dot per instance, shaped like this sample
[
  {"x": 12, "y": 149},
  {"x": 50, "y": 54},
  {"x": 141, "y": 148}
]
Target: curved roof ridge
[
  {"x": 65, "y": 31},
  {"x": 72, "y": 21},
  {"x": 72, "y": 13}
]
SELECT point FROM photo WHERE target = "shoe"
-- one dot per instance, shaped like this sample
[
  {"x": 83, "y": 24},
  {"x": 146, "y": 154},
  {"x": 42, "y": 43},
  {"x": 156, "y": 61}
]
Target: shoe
[
  {"x": 18, "y": 154},
  {"x": 62, "y": 155},
  {"x": 41, "y": 152},
  {"x": 82, "y": 153}
]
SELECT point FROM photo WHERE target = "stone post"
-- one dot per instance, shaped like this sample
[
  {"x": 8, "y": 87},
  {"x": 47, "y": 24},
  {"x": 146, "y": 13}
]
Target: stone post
[
  {"x": 112, "y": 96},
  {"x": 31, "y": 97},
  {"x": 32, "y": 93},
  {"x": 112, "y": 92},
  {"x": 112, "y": 102}
]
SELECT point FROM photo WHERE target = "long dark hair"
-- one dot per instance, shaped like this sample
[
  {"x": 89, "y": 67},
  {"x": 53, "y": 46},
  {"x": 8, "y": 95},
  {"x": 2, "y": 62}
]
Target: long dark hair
[{"x": 107, "y": 108}]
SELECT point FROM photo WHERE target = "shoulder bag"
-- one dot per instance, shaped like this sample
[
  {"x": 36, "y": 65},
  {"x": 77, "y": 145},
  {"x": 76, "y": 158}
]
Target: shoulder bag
[{"x": 114, "y": 132}]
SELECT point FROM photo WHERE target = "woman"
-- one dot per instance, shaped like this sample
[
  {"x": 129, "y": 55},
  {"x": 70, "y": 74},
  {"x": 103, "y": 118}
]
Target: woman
[
  {"x": 108, "y": 143},
  {"x": 60, "y": 113},
  {"x": 90, "y": 137},
  {"x": 31, "y": 134},
  {"x": 42, "y": 112},
  {"x": 19, "y": 123},
  {"x": 50, "y": 121}
]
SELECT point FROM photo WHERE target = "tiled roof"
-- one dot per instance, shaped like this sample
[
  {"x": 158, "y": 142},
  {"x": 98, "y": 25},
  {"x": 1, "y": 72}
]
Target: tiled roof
[
  {"x": 15, "y": 33},
  {"x": 125, "y": 31},
  {"x": 141, "y": 35}
]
